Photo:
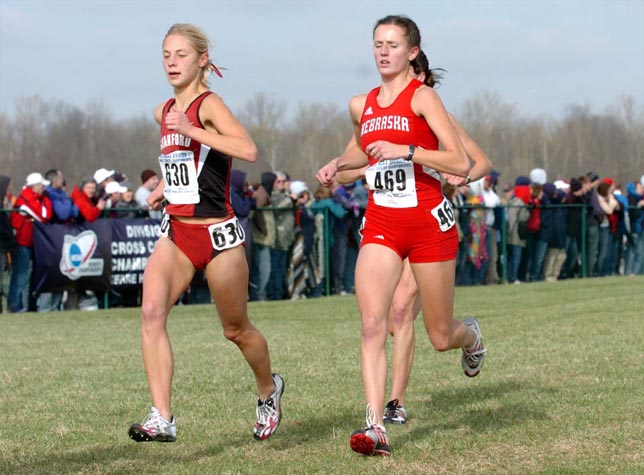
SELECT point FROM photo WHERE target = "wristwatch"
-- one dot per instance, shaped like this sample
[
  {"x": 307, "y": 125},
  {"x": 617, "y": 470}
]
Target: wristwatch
[
  {"x": 410, "y": 155},
  {"x": 468, "y": 180}
]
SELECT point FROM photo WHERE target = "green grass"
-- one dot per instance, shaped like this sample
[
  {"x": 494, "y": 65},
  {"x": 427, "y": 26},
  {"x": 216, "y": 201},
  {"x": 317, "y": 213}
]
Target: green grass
[{"x": 562, "y": 390}]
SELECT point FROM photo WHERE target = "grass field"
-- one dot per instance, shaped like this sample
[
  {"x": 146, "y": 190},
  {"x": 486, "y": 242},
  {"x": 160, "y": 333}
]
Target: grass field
[{"x": 562, "y": 391}]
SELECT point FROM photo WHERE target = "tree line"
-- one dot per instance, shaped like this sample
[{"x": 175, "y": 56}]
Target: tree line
[{"x": 41, "y": 135}]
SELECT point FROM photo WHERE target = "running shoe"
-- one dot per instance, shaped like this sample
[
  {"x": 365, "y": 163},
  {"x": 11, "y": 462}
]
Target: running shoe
[
  {"x": 269, "y": 411},
  {"x": 395, "y": 413},
  {"x": 372, "y": 440},
  {"x": 155, "y": 428},
  {"x": 473, "y": 357}
]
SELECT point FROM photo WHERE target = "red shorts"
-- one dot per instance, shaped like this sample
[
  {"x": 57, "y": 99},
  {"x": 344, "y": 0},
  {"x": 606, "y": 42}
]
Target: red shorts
[
  {"x": 196, "y": 240},
  {"x": 410, "y": 232}
]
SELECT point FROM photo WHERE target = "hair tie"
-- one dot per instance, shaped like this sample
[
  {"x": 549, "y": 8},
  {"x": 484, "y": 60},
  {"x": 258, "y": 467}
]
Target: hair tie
[{"x": 216, "y": 70}]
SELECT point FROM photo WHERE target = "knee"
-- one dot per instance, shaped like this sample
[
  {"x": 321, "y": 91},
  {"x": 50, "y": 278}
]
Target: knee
[
  {"x": 152, "y": 314},
  {"x": 441, "y": 341},
  {"x": 236, "y": 333},
  {"x": 402, "y": 315},
  {"x": 373, "y": 328}
]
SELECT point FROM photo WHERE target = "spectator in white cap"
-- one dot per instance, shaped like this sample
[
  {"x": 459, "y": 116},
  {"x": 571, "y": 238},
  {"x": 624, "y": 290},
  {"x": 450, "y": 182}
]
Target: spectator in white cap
[
  {"x": 538, "y": 176},
  {"x": 114, "y": 192},
  {"x": 300, "y": 192},
  {"x": 102, "y": 177},
  {"x": 32, "y": 205}
]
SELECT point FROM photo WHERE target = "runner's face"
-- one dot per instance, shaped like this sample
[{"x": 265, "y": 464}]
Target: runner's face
[
  {"x": 391, "y": 50},
  {"x": 181, "y": 62}
]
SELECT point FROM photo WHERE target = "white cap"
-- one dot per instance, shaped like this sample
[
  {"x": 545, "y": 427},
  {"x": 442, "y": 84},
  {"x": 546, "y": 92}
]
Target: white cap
[
  {"x": 298, "y": 187},
  {"x": 562, "y": 185},
  {"x": 36, "y": 179},
  {"x": 114, "y": 187},
  {"x": 538, "y": 176},
  {"x": 102, "y": 174}
]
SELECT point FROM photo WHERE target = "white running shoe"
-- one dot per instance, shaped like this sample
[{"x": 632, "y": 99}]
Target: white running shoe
[
  {"x": 473, "y": 357},
  {"x": 155, "y": 428},
  {"x": 395, "y": 413},
  {"x": 269, "y": 411}
]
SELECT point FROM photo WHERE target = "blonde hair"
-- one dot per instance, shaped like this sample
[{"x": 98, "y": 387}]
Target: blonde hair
[{"x": 200, "y": 42}]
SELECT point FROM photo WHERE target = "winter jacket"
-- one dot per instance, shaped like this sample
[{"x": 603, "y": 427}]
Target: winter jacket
[
  {"x": 30, "y": 207},
  {"x": 63, "y": 207},
  {"x": 87, "y": 210}
]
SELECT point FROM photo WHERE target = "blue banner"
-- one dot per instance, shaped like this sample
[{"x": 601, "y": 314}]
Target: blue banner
[
  {"x": 132, "y": 243},
  {"x": 102, "y": 255}
]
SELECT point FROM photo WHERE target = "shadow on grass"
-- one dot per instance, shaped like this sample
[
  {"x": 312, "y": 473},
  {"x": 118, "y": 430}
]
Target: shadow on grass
[
  {"x": 461, "y": 408},
  {"x": 127, "y": 457}
]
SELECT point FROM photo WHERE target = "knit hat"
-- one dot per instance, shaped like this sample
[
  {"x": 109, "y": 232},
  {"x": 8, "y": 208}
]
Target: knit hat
[
  {"x": 147, "y": 174},
  {"x": 608, "y": 181},
  {"x": 522, "y": 180}
]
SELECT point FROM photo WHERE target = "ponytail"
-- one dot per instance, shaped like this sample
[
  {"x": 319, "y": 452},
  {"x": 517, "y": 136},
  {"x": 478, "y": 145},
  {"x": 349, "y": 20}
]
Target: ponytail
[{"x": 421, "y": 66}]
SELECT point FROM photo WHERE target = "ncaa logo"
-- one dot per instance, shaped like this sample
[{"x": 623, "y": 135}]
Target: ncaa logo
[{"x": 76, "y": 260}]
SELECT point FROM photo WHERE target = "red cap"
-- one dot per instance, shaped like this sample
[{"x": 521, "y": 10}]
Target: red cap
[{"x": 608, "y": 181}]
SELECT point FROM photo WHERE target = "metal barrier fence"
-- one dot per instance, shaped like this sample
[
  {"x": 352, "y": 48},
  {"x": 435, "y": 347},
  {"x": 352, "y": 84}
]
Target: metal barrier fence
[{"x": 503, "y": 228}]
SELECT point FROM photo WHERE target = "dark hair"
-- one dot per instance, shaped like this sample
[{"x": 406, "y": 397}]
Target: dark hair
[
  {"x": 421, "y": 65},
  {"x": 411, "y": 29},
  {"x": 51, "y": 175},
  {"x": 602, "y": 189}
]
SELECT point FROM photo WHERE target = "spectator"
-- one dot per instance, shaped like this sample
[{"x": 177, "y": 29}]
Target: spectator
[
  {"x": 243, "y": 202},
  {"x": 31, "y": 206},
  {"x": 263, "y": 237},
  {"x": 149, "y": 181},
  {"x": 621, "y": 233},
  {"x": 607, "y": 224},
  {"x": 127, "y": 201},
  {"x": 477, "y": 255},
  {"x": 84, "y": 198},
  {"x": 102, "y": 177},
  {"x": 463, "y": 226},
  {"x": 284, "y": 236},
  {"x": 491, "y": 201},
  {"x": 8, "y": 244},
  {"x": 340, "y": 239},
  {"x": 518, "y": 216},
  {"x": 114, "y": 194},
  {"x": 635, "y": 249},
  {"x": 593, "y": 217},
  {"x": 538, "y": 176},
  {"x": 63, "y": 208},
  {"x": 553, "y": 231},
  {"x": 324, "y": 206},
  {"x": 536, "y": 245},
  {"x": 574, "y": 213},
  {"x": 63, "y": 211},
  {"x": 302, "y": 275}
]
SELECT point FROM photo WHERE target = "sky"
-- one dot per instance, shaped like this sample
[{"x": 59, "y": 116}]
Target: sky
[{"x": 541, "y": 56}]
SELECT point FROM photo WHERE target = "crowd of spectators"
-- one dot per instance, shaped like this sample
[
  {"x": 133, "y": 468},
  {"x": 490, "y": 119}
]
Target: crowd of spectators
[
  {"x": 46, "y": 199},
  {"x": 528, "y": 230}
]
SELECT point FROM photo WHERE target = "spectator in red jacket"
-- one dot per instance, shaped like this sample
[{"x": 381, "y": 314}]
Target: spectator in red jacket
[
  {"x": 31, "y": 206},
  {"x": 83, "y": 198}
]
